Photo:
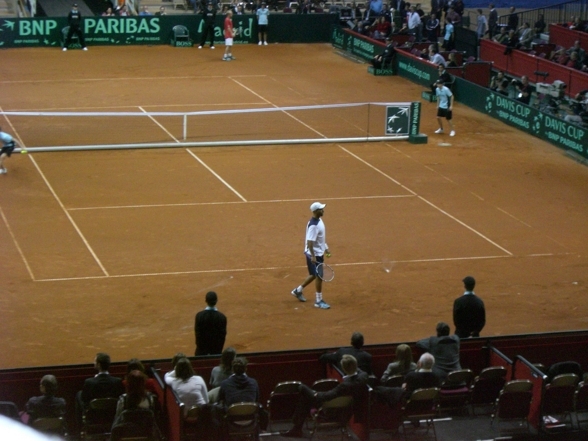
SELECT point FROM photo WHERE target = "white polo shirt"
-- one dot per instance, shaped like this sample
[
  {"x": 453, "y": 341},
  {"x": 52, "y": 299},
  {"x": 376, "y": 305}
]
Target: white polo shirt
[{"x": 315, "y": 231}]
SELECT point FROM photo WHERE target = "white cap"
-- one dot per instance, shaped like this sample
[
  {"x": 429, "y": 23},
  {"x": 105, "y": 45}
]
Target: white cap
[{"x": 317, "y": 206}]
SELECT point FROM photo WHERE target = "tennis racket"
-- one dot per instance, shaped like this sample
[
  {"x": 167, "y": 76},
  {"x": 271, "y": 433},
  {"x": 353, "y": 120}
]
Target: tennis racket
[{"x": 325, "y": 272}]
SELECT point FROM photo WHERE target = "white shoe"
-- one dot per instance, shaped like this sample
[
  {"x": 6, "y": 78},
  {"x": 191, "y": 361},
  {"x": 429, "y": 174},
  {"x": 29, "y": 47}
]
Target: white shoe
[
  {"x": 199, "y": 47},
  {"x": 452, "y": 133},
  {"x": 439, "y": 131},
  {"x": 212, "y": 47},
  {"x": 265, "y": 43},
  {"x": 84, "y": 48},
  {"x": 64, "y": 49},
  {"x": 3, "y": 171},
  {"x": 260, "y": 43}
]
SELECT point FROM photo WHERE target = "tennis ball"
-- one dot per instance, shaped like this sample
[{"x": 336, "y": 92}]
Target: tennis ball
[{"x": 23, "y": 152}]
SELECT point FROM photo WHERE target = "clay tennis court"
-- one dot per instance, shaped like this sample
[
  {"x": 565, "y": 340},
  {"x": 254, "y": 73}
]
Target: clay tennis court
[{"x": 113, "y": 250}]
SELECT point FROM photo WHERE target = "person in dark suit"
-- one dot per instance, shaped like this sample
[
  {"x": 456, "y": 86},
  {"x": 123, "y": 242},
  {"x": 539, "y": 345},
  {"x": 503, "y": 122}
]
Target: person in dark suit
[
  {"x": 469, "y": 313},
  {"x": 75, "y": 22},
  {"x": 364, "y": 359},
  {"x": 444, "y": 348},
  {"x": 102, "y": 385},
  {"x": 210, "y": 328},
  {"x": 492, "y": 21},
  {"x": 354, "y": 384},
  {"x": 46, "y": 405}
]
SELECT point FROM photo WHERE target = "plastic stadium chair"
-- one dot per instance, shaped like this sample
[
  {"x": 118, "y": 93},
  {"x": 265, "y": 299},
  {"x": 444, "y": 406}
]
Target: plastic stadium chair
[
  {"x": 514, "y": 402},
  {"x": 558, "y": 398},
  {"x": 422, "y": 405},
  {"x": 394, "y": 381},
  {"x": 242, "y": 419},
  {"x": 9, "y": 409},
  {"x": 333, "y": 414},
  {"x": 487, "y": 386},
  {"x": 581, "y": 403},
  {"x": 98, "y": 417},
  {"x": 180, "y": 33},
  {"x": 455, "y": 391},
  {"x": 50, "y": 426},
  {"x": 325, "y": 385},
  {"x": 282, "y": 401}
]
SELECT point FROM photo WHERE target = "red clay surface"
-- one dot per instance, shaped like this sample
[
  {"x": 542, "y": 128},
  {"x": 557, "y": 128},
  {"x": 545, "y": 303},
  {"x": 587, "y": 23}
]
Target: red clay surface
[{"x": 114, "y": 250}]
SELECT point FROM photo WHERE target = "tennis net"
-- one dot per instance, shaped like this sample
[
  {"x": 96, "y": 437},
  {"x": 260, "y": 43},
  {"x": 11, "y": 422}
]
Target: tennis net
[{"x": 355, "y": 122}]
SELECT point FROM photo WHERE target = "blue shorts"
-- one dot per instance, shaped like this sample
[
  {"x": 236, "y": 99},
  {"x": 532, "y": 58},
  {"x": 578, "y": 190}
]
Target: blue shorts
[{"x": 311, "y": 266}]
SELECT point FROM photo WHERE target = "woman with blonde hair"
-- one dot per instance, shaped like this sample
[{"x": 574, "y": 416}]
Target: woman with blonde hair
[{"x": 403, "y": 364}]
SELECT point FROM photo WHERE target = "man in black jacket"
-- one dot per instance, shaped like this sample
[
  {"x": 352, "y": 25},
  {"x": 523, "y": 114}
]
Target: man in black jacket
[
  {"x": 208, "y": 17},
  {"x": 363, "y": 358},
  {"x": 102, "y": 385},
  {"x": 354, "y": 384},
  {"x": 469, "y": 313},
  {"x": 75, "y": 22},
  {"x": 385, "y": 58},
  {"x": 210, "y": 328}
]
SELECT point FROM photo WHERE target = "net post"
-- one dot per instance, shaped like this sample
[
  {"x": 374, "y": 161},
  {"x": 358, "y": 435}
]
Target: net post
[{"x": 185, "y": 126}]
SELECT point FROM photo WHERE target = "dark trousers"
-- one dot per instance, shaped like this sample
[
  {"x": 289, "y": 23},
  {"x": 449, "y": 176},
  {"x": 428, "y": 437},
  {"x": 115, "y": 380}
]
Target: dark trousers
[
  {"x": 306, "y": 401},
  {"x": 208, "y": 30},
  {"x": 75, "y": 30}
]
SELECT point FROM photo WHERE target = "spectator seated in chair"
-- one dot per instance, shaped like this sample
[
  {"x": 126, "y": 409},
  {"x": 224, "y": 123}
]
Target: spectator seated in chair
[
  {"x": 403, "y": 364},
  {"x": 136, "y": 398},
  {"x": 354, "y": 384},
  {"x": 364, "y": 359},
  {"x": 421, "y": 378},
  {"x": 444, "y": 348},
  {"x": 46, "y": 405},
  {"x": 380, "y": 29},
  {"x": 220, "y": 373},
  {"x": 384, "y": 59}
]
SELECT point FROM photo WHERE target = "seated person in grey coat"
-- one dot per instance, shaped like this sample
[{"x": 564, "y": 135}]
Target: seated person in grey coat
[{"x": 445, "y": 349}]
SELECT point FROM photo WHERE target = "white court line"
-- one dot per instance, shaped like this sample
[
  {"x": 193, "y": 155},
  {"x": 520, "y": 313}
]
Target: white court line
[
  {"x": 69, "y": 217},
  {"x": 272, "y": 268},
  {"x": 217, "y": 176},
  {"x": 272, "y": 104},
  {"x": 17, "y": 245},
  {"x": 159, "y": 124},
  {"x": 428, "y": 202},
  {"x": 271, "y": 201},
  {"x": 64, "y": 109},
  {"x": 84, "y": 80},
  {"x": 446, "y": 178}
]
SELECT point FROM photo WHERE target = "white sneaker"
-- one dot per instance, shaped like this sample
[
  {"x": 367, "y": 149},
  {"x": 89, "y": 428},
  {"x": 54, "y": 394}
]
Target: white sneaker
[
  {"x": 452, "y": 133},
  {"x": 439, "y": 131},
  {"x": 3, "y": 171},
  {"x": 212, "y": 47},
  {"x": 265, "y": 43},
  {"x": 85, "y": 48},
  {"x": 64, "y": 49},
  {"x": 260, "y": 43},
  {"x": 199, "y": 47}
]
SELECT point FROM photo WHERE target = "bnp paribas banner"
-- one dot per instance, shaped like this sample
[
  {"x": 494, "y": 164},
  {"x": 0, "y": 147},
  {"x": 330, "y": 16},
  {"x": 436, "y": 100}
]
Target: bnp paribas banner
[
  {"x": 357, "y": 45},
  {"x": 529, "y": 119},
  {"x": 152, "y": 30}
]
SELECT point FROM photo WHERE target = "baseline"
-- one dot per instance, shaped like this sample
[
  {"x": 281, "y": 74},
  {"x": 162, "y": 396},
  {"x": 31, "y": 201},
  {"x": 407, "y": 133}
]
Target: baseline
[{"x": 273, "y": 268}]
